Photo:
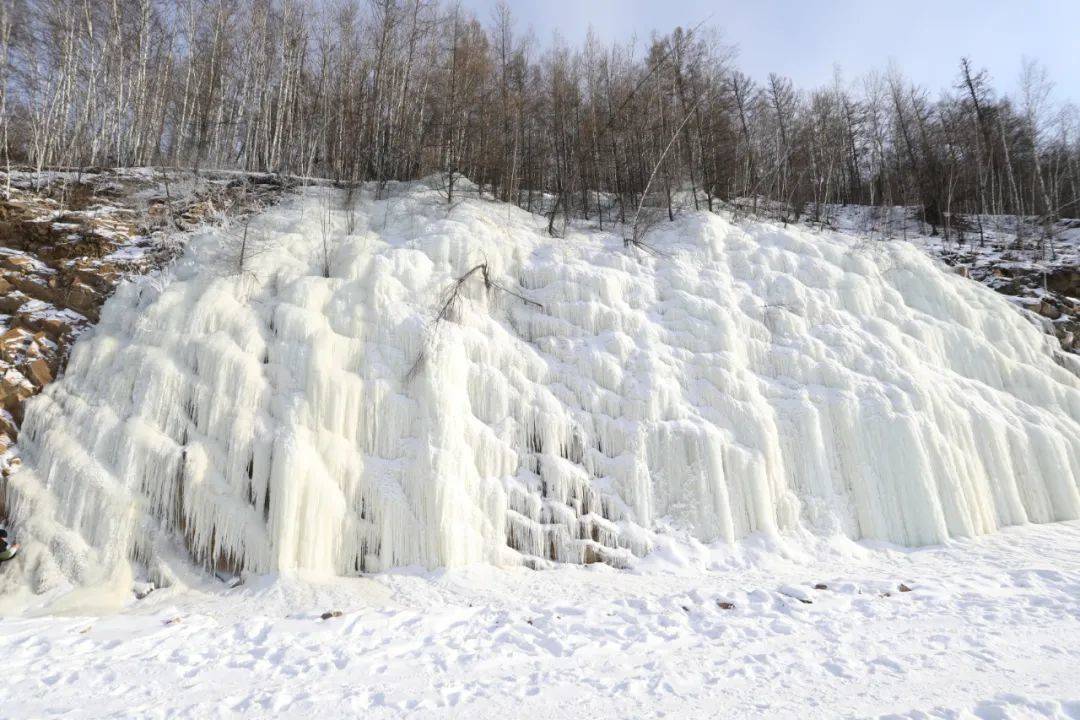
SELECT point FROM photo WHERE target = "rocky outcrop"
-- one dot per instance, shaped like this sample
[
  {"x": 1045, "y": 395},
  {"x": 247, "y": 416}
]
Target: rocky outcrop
[
  {"x": 1049, "y": 288},
  {"x": 1053, "y": 295},
  {"x": 67, "y": 240}
]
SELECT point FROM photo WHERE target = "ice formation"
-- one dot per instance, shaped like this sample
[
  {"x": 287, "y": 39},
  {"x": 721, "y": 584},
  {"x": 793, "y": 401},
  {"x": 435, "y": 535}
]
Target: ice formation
[{"x": 751, "y": 378}]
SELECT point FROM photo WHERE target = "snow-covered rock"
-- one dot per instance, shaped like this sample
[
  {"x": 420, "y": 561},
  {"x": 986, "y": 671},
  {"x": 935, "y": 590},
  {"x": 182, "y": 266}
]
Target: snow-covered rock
[{"x": 749, "y": 378}]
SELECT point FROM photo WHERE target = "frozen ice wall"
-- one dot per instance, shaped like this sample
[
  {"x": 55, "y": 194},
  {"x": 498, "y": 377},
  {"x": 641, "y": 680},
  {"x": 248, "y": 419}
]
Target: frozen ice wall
[{"x": 749, "y": 379}]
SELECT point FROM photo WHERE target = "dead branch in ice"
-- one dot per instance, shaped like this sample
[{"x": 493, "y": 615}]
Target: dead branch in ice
[{"x": 451, "y": 298}]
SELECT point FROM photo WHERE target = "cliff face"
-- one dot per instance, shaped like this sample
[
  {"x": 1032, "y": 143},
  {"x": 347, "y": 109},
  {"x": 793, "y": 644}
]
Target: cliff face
[{"x": 68, "y": 239}]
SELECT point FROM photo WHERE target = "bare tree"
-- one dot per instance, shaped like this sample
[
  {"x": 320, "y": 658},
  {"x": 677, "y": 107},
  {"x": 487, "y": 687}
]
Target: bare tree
[{"x": 384, "y": 90}]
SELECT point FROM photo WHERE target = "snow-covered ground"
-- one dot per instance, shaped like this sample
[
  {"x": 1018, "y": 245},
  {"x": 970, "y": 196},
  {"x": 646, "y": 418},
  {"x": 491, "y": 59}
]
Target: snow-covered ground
[
  {"x": 289, "y": 397},
  {"x": 989, "y": 629}
]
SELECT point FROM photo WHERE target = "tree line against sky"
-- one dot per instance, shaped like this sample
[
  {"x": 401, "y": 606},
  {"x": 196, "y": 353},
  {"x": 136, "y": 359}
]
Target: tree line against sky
[{"x": 382, "y": 90}]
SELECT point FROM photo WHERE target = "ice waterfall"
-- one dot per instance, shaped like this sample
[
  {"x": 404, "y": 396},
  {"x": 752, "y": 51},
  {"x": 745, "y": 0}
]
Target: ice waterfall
[{"x": 750, "y": 379}]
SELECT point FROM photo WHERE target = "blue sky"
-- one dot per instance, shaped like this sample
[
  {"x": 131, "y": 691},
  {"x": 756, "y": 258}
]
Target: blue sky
[{"x": 804, "y": 40}]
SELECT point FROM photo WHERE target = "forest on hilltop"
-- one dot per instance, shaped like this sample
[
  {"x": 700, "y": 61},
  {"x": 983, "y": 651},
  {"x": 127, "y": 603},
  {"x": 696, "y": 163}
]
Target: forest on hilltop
[{"x": 401, "y": 89}]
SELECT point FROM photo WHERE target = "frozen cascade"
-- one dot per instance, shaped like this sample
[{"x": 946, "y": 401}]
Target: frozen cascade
[{"x": 752, "y": 379}]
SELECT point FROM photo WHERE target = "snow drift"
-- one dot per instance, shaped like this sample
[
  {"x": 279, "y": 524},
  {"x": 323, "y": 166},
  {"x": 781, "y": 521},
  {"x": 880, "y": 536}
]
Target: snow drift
[{"x": 752, "y": 378}]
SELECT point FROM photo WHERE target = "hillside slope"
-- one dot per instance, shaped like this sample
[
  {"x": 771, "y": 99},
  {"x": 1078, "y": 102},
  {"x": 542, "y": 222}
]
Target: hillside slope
[{"x": 308, "y": 411}]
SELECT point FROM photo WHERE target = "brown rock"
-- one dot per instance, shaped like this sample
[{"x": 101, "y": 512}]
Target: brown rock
[
  {"x": 16, "y": 344},
  {"x": 14, "y": 335},
  {"x": 18, "y": 263},
  {"x": 12, "y": 382},
  {"x": 7, "y": 429},
  {"x": 1049, "y": 310},
  {"x": 39, "y": 372},
  {"x": 54, "y": 327},
  {"x": 14, "y": 388},
  {"x": 84, "y": 299},
  {"x": 12, "y": 301},
  {"x": 35, "y": 287}
]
